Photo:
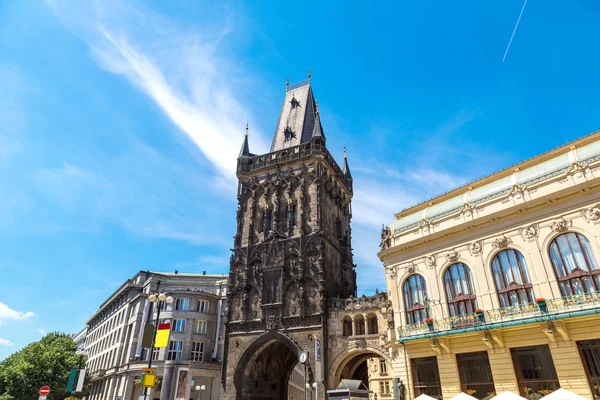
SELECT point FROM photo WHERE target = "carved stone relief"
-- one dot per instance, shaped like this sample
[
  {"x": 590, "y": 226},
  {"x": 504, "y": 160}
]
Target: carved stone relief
[
  {"x": 561, "y": 225},
  {"x": 452, "y": 256},
  {"x": 592, "y": 214},
  {"x": 430, "y": 261},
  {"x": 475, "y": 248},
  {"x": 501, "y": 242},
  {"x": 530, "y": 232}
]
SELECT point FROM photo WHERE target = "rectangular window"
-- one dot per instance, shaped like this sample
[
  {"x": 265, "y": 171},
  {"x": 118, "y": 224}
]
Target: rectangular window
[
  {"x": 382, "y": 366},
  {"x": 535, "y": 370},
  {"x": 197, "y": 353},
  {"x": 178, "y": 325},
  {"x": 182, "y": 304},
  {"x": 426, "y": 377},
  {"x": 175, "y": 348},
  {"x": 203, "y": 306},
  {"x": 590, "y": 355},
  {"x": 200, "y": 326},
  {"x": 381, "y": 388},
  {"x": 476, "y": 374},
  {"x": 387, "y": 387},
  {"x": 273, "y": 289},
  {"x": 155, "y": 354}
]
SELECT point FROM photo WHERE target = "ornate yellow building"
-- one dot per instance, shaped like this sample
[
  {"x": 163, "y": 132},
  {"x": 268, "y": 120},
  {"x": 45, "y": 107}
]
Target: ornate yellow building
[{"x": 496, "y": 285}]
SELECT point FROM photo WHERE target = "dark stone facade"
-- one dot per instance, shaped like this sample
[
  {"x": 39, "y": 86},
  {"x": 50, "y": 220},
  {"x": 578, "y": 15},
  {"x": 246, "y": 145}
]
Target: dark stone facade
[{"x": 292, "y": 253}]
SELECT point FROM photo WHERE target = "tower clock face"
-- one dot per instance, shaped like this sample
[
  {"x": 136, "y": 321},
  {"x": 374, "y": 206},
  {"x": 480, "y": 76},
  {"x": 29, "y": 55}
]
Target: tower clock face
[{"x": 303, "y": 357}]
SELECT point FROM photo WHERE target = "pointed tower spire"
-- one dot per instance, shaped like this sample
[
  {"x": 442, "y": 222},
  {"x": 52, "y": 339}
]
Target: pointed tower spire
[
  {"x": 309, "y": 75},
  {"x": 318, "y": 129},
  {"x": 346, "y": 167},
  {"x": 245, "y": 151}
]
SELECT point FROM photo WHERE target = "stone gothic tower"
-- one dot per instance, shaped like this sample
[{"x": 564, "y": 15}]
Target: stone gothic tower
[{"x": 292, "y": 253}]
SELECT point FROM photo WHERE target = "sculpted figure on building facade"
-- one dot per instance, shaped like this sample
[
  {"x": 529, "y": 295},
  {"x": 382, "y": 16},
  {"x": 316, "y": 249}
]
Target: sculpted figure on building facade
[{"x": 390, "y": 315}]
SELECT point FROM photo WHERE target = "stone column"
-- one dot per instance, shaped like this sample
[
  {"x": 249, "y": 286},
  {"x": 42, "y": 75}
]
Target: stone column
[{"x": 165, "y": 391}]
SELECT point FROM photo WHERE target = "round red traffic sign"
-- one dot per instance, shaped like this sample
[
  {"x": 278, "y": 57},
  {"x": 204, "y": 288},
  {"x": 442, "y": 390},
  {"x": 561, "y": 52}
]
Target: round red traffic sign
[{"x": 44, "y": 391}]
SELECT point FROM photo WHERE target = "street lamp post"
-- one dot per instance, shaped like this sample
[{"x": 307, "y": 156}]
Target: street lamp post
[
  {"x": 160, "y": 299},
  {"x": 308, "y": 390},
  {"x": 316, "y": 387},
  {"x": 200, "y": 389}
]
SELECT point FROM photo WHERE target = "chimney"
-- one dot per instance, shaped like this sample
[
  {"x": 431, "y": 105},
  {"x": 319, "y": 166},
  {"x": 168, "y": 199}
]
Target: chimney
[
  {"x": 176, "y": 271},
  {"x": 203, "y": 272}
]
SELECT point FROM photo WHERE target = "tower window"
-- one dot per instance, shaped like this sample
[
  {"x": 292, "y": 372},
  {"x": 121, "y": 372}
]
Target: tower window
[
  {"x": 290, "y": 214},
  {"x": 267, "y": 222},
  {"x": 273, "y": 287}
]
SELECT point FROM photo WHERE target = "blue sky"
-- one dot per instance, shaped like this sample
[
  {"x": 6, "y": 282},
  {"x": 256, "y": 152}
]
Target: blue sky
[{"x": 120, "y": 123}]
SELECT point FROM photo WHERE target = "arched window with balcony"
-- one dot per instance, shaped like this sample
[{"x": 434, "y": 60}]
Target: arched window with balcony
[
  {"x": 512, "y": 278},
  {"x": 460, "y": 291},
  {"x": 415, "y": 296},
  {"x": 575, "y": 264}
]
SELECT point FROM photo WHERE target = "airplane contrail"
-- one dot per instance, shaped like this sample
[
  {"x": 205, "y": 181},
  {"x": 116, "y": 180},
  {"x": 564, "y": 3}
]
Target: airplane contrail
[{"x": 514, "y": 31}]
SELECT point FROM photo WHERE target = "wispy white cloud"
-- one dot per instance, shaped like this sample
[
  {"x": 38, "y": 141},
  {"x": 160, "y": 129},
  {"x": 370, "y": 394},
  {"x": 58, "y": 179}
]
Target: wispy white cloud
[
  {"x": 42, "y": 332},
  {"x": 6, "y": 343},
  {"x": 7, "y": 313},
  {"x": 181, "y": 70}
]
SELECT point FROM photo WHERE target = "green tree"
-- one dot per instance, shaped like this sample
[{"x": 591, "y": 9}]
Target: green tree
[{"x": 44, "y": 363}]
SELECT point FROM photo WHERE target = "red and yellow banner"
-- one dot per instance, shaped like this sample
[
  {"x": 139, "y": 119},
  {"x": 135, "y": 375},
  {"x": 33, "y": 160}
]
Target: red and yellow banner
[{"x": 162, "y": 335}]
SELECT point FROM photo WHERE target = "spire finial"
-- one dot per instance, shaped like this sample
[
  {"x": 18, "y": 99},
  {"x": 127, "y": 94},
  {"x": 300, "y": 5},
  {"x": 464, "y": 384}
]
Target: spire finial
[
  {"x": 316, "y": 106},
  {"x": 246, "y": 128},
  {"x": 345, "y": 156},
  {"x": 308, "y": 74},
  {"x": 287, "y": 83}
]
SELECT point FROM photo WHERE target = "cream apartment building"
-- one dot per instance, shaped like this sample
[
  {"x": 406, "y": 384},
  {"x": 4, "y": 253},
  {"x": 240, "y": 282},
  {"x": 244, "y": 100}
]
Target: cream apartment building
[{"x": 496, "y": 285}]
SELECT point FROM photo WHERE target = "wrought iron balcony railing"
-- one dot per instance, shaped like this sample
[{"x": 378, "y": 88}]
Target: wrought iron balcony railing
[{"x": 546, "y": 310}]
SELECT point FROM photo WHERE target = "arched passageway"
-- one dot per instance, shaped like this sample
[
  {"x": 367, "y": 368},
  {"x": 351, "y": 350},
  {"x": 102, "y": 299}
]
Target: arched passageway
[{"x": 264, "y": 370}]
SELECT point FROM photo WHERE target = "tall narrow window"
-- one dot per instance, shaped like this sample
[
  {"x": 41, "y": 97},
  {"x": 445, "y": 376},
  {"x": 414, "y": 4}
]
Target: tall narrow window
[
  {"x": 273, "y": 287},
  {"x": 590, "y": 355},
  {"x": 475, "y": 374},
  {"x": 426, "y": 377},
  {"x": 197, "y": 353},
  {"x": 174, "y": 351},
  {"x": 347, "y": 326},
  {"x": 511, "y": 278},
  {"x": 575, "y": 264},
  {"x": 290, "y": 214},
  {"x": 535, "y": 371},
  {"x": 382, "y": 366},
  {"x": 415, "y": 294},
  {"x": 459, "y": 290},
  {"x": 200, "y": 326},
  {"x": 203, "y": 306},
  {"x": 267, "y": 223}
]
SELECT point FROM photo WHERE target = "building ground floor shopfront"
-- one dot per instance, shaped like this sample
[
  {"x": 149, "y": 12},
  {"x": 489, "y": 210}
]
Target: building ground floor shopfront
[
  {"x": 530, "y": 359},
  {"x": 176, "y": 381}
]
